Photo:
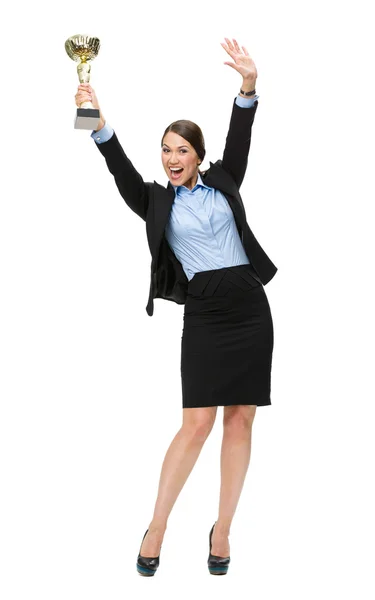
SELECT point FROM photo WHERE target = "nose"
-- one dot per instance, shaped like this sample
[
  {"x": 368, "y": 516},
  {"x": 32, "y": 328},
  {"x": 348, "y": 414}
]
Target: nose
[{"x": 173, "y": 157}]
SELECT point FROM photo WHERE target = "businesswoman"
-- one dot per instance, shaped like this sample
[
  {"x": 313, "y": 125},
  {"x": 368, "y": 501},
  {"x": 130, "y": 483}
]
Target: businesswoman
[{"x": 227, "y": 340}]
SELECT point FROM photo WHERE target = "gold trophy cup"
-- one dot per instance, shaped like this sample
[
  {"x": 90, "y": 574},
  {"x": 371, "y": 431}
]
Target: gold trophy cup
[{"x": 82, "y": 49}]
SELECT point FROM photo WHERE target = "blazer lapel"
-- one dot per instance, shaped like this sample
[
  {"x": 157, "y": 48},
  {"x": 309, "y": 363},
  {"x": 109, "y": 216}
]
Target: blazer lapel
[
  {"x": 218, "y": 178},
  {"x": 161, "y": 207}
]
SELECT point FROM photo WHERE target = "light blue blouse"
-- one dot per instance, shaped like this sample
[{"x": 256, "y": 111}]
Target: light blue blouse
[{"x": 201, "y": 229}]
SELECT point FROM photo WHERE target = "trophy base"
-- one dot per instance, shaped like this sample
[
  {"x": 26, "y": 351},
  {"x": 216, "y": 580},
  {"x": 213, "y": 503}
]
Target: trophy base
[{"x": 87, "y": 118}]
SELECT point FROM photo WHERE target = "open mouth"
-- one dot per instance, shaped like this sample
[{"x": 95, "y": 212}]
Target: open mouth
[{"x": 176, "y": 173}]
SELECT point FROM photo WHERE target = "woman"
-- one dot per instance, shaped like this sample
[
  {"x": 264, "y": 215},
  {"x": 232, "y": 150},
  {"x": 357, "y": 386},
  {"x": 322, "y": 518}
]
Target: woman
[{"x": 227, "y": 340}]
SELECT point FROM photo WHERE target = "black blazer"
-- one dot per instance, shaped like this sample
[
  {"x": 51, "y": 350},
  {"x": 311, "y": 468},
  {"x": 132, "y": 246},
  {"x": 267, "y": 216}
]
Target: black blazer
[{"x": 153, "y": 202}]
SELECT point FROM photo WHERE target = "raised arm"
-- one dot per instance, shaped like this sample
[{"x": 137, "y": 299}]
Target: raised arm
[
  {"x": 238, "y": 139},
  {"x": 129, "y": 182}
]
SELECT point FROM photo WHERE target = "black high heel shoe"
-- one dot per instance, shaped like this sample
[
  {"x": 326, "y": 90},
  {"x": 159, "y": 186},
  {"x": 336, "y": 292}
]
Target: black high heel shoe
[
  {"x": 147, "y": 566},
  {"x": 217, "y": 565}
]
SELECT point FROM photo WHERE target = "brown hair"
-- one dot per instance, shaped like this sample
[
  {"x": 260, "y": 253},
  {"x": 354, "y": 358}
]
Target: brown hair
[{"x": 191, "y": 132}]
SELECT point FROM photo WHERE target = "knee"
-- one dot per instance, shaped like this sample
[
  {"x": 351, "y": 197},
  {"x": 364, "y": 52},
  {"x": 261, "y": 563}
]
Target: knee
[
  {"x": 239, "y": 418},
  {"x": 199, "y": 426}
]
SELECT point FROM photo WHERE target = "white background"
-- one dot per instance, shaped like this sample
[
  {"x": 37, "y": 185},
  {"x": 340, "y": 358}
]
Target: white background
[{"x": 90, "y": 384}]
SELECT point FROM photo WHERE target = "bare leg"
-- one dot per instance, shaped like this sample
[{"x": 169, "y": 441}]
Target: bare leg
[
  {"x": 178, "y": 463},
  {"x": 235, "y": 458}
]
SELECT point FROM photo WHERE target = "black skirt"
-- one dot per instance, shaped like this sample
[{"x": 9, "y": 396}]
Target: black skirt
[{"x": 227, "y": 339}]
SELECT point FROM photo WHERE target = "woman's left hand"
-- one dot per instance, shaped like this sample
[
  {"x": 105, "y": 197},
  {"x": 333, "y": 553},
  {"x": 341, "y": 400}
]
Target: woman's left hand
[{"x": 243, "y": 63}]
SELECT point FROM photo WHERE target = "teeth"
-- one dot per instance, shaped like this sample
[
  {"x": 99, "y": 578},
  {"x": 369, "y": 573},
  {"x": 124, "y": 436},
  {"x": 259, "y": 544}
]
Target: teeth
[{"x": 174, "y": 169}]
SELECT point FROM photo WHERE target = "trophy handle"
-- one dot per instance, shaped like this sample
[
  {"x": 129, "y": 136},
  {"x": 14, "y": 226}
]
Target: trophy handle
[{"x": 83, "y": 70}]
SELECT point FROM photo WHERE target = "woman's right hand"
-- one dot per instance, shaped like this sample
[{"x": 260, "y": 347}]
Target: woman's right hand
[{"x": 86, "y": 93}]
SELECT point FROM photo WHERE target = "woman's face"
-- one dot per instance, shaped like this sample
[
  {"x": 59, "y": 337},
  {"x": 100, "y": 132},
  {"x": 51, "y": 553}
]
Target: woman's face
[{"x": 177, "y": 152}]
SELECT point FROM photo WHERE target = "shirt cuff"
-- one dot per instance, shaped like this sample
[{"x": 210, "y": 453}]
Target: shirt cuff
[
  {"x": 246, "y": 102},
  {"x": 103, "y": 135}
]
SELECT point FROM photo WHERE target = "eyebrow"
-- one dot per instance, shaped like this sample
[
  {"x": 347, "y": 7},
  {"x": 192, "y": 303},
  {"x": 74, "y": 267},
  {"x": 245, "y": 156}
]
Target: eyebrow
[{"x": 183, "y": 146}]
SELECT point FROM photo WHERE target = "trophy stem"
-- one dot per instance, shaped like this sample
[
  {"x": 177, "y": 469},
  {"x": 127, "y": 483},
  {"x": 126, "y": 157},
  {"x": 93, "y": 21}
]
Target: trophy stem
[{"x": 83, "y": 70}]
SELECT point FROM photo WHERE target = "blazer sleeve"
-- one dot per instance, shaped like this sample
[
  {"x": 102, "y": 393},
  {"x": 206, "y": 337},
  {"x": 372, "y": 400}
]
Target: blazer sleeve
[
  {"x": 129, "y": 182},
  {"x": 237, "y": 144}
]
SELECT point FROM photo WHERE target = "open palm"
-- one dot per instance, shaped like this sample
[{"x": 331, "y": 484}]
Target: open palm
[{"x": 243, "y": 63}]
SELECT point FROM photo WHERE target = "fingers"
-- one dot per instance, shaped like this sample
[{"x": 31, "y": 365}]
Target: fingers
[
  {"x": 230, "y": 45},
  {"x": 84, "y": 93},
  {"x": 226, "y": 49},
  {"x": 234, "y": 48},
  {"x": 233, "y": 65},
  {"x": 86, "y": 87}
]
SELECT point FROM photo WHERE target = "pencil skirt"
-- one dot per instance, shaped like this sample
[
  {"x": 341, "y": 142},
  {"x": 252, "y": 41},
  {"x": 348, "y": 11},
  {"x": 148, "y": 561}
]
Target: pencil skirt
[{"x": 227, "y": 339}]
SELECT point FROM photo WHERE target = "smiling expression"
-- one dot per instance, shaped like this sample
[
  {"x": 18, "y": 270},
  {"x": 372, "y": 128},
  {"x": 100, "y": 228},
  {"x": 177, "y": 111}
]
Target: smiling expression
[{"x": 176, "y": 152}]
